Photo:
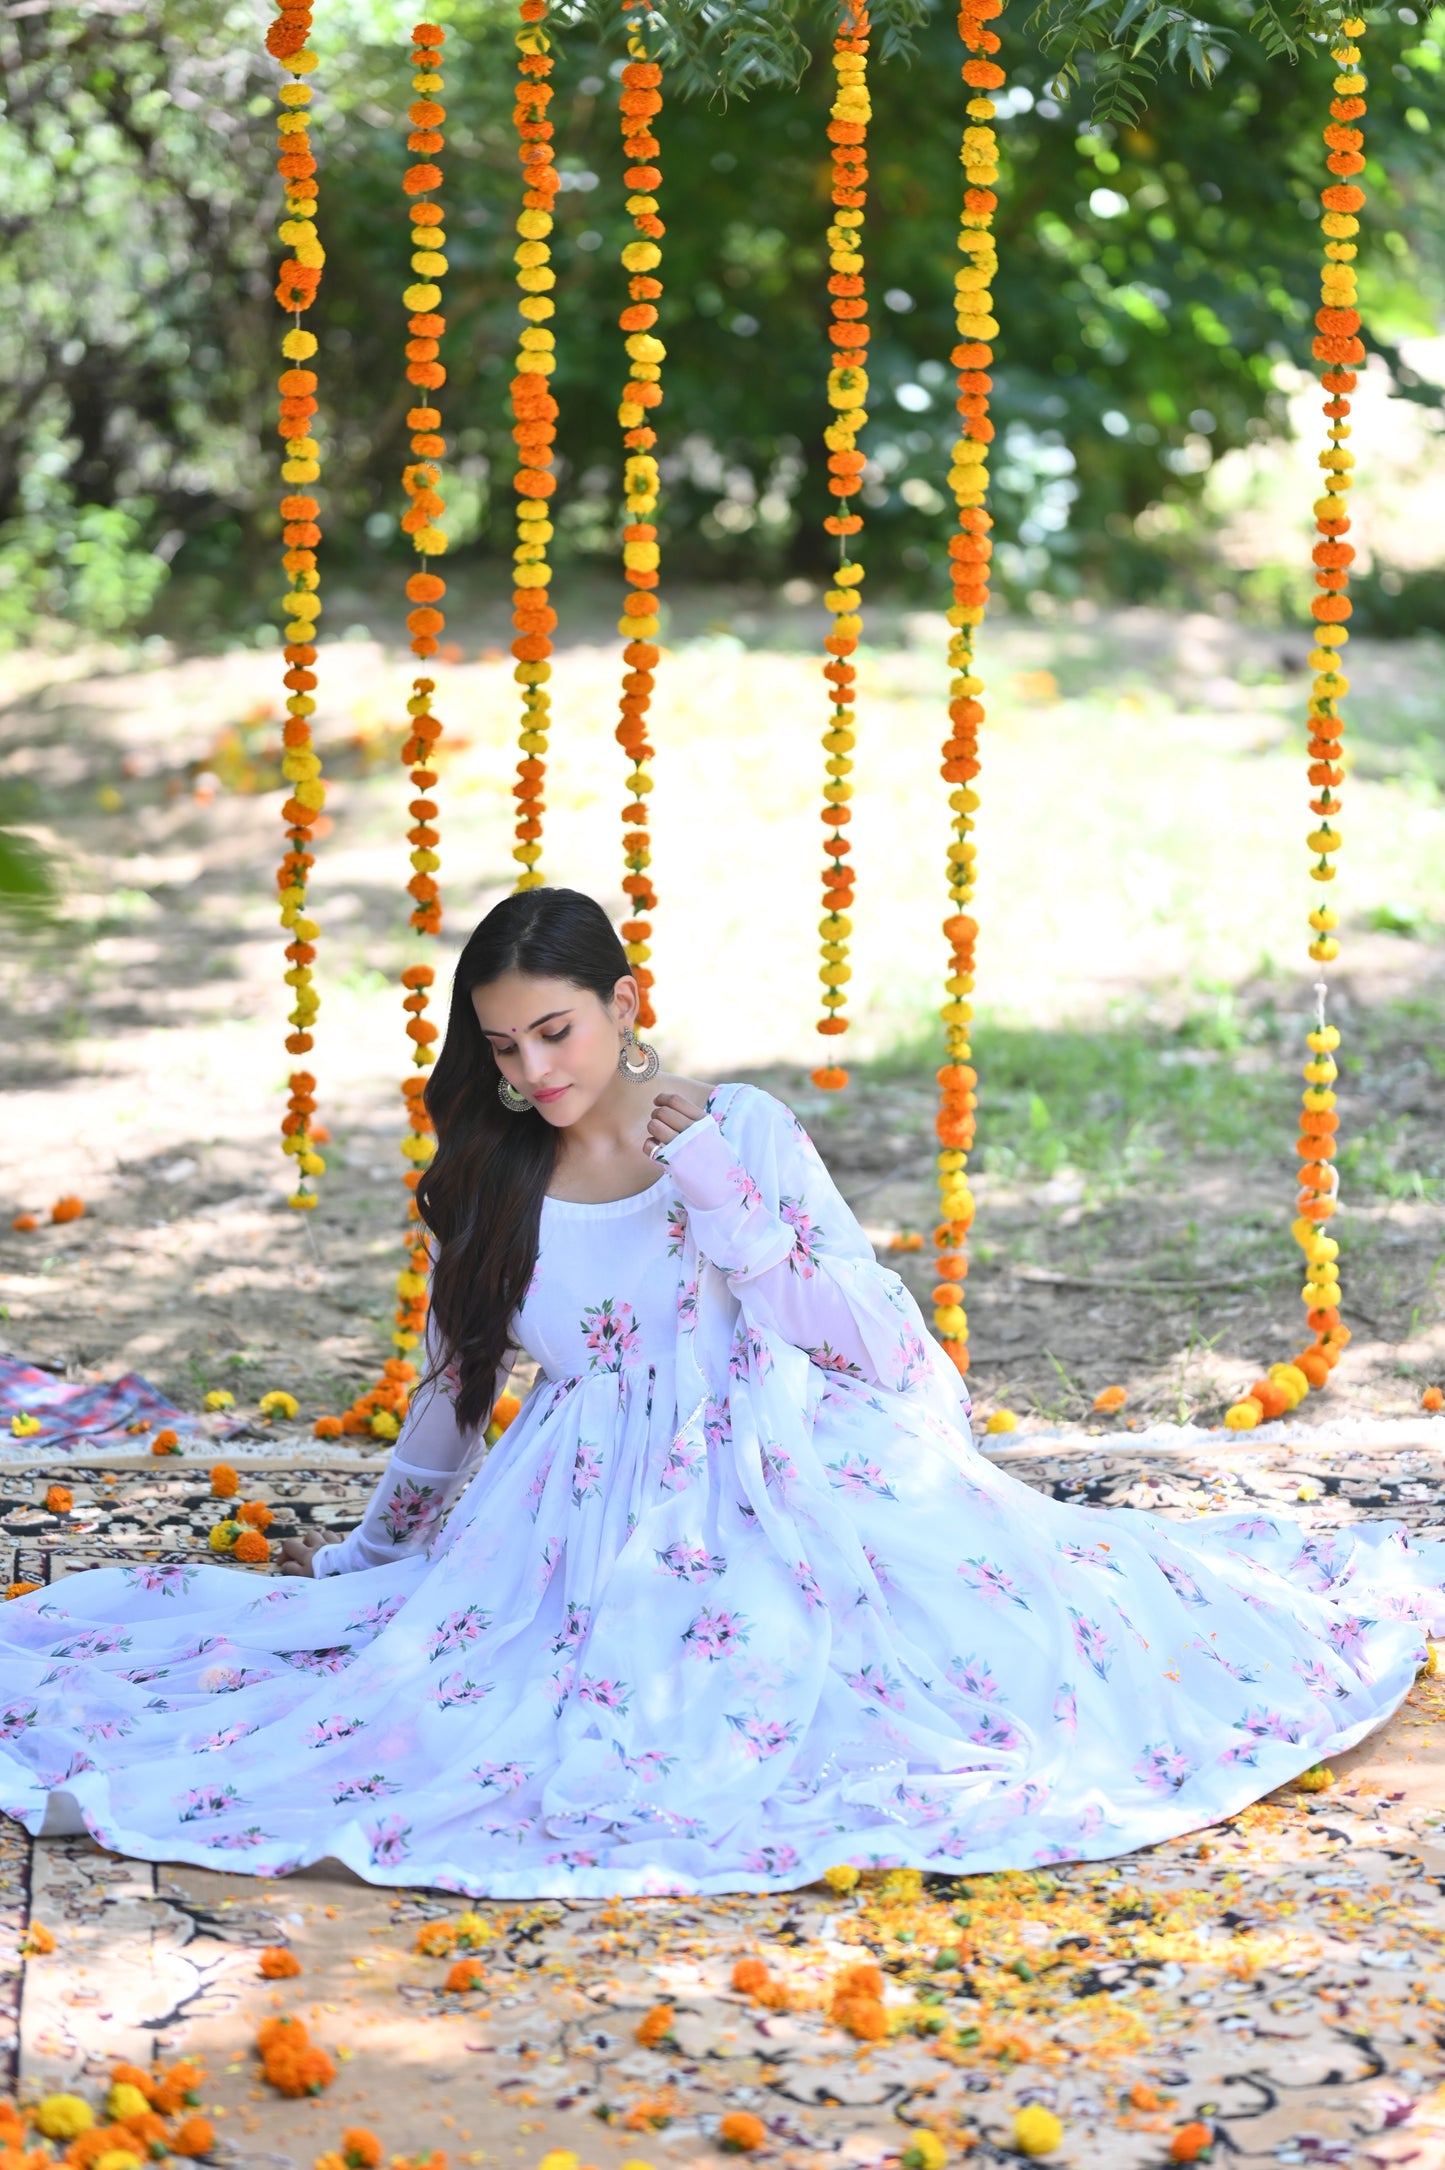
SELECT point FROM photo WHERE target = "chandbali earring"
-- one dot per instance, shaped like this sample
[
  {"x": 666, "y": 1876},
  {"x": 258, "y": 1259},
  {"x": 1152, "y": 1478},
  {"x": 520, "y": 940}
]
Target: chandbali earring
[
  {"x": 639, "y": 1072},
  {"x": 514, "y": 1102}
]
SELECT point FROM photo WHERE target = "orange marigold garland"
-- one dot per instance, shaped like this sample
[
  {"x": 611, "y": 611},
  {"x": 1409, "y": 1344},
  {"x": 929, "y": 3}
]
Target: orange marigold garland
[
  {"x": 1339, "y": 347},
  {"x": 640, "y": 101},
  {"x": 969, "y": 552},
  {"x": 847, "y": 391},
  {"x": 296, "y": 287},
  {"x": 534, "y": 413}
]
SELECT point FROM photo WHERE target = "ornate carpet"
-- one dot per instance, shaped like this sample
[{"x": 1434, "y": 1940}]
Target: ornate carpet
[{"x": 1280, "y": 1978}]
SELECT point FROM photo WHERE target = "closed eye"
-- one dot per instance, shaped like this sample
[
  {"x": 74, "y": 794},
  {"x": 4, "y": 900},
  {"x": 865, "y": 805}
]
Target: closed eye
[{"x": 552, "y": 1038}]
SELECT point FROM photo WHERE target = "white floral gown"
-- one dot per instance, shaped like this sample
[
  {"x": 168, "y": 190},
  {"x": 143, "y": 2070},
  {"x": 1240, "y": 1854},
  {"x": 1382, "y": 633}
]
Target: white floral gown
[{"x": 734, "y": 1599}]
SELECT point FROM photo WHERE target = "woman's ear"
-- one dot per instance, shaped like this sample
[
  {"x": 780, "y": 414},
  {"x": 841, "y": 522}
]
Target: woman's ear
[{"x": 626, "y": 1001}]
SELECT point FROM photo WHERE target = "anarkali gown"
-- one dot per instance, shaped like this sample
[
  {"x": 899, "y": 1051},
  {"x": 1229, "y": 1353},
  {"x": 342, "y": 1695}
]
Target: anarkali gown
[{"x": 734, "y": 1599}]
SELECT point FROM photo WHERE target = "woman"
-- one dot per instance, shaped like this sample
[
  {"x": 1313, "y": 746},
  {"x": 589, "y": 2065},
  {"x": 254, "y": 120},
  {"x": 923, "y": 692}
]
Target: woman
[{"x": 734, "y": 1598}]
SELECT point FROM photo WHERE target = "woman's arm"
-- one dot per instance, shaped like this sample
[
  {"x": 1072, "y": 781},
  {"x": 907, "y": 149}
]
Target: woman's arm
[
  {"x": 805, "y": 1271},
  {"x": 429, "y": 1465}
]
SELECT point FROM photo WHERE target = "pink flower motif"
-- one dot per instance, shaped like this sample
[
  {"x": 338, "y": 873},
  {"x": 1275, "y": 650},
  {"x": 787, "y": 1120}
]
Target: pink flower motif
[
  {"x": 390, "y": 1841},
  {"x": 502, "y": 1778},
  {"x": 807, "y": 1582},
  {"x": 227, "y": 1737},
  {"x": 457, "y": 1688},
  {"x": 975, "y": 1676},
  {"x": 606, "y": 1694},
  {"x": 203, "y": 1801},
  {"x": 1180, "y": 1581},
  {"x": 586, "y": 1472},
  {"x": 411, "y": 1510},
  {"x": 749, "y": 1196},
  {"x": 716, "y": 1423},
  {"x": 1066, "y": 1708},
  {"x": 373, "y": 1618},
  {"x": 771, "y": 1860},
  {"x": 533, "y": 1494},
  {"x": 992, "y": 1584},
  {"x": 1092, "y": 1643},
  {"x": 762, "y": 1737},
  {"x": 610, "y": 1333},
  {"x": 328, "y": 1730},
  {"x": 713, "y": 1635},
  {"x": 879, "y": 1685},
  {"x": 993, "y": 1730},
  {"x": 1320, "y": 1681},
  {"x": 683, "y": 1463},
  {"x": 690, "y": 1563},
  {"x": 457, "y": 1631},
  {"x": 169, "y": 1581},
  {"x": 1163, "y": 1767},
  {"x": 857, "y": 1477},
  {"x": 676, "y": 1228},
  {"x": 687, "y": 1305},
  {"x": 802, "y": 1258}
]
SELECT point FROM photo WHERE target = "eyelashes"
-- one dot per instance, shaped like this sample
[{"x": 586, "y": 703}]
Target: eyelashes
[{"x": 552, "y": 1039}]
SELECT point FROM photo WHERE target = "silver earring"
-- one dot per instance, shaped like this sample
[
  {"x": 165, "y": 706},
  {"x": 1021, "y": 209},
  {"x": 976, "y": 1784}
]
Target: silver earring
[
  {"x": 514, "y": 1102},
  {"x": 640, "y": 1072}
]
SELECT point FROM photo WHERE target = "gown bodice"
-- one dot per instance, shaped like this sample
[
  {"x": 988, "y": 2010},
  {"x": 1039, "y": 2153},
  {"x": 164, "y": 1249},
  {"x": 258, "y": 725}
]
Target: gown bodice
[{"x": 603, "y": 1298}]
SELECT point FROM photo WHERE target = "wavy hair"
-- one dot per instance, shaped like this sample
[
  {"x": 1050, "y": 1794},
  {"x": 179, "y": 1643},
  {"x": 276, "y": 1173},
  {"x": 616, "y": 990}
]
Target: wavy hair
[{"x": 482, "y": 1194}]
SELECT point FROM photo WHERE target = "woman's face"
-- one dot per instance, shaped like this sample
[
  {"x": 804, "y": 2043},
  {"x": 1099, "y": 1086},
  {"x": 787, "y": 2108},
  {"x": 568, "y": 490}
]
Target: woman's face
[{"x": 555, "y": 1042}]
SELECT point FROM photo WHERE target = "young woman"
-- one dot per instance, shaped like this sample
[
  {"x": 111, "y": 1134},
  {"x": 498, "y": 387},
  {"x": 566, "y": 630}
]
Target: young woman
[{"x": 734, "y": 1598}]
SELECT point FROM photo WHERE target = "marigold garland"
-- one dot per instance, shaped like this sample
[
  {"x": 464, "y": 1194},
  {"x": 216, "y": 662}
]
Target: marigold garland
[
  {"x": 970, "y": 551},
  {"x": 847, "y": 391},
  {"x": 1339, "y": 347},
  {"x": 296, "y": 288},
  {"x": 534, "y": 414},
  {"x": 639, "y": 103}
]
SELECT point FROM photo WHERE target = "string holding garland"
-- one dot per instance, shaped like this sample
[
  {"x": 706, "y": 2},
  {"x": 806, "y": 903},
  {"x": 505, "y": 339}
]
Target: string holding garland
[
  {"x": 969, "y": 552},
  {"x": 534, "y": 430},
  {"x": 847, "y": 392},
  {"x": 296, "y": 287},
  {"x": 1339, "y": 347},
  {"x": 639, "y": 103}
]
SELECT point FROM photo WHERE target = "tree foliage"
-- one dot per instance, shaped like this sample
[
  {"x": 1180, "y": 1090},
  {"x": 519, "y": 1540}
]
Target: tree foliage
[{"x": 1158, "y": 245}]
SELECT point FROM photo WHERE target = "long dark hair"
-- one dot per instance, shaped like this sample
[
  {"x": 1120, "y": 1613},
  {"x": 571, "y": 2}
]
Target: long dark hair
[{"x": 482, "y": 1195}]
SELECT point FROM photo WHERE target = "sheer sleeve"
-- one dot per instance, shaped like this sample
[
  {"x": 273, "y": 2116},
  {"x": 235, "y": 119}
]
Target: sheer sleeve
[
  {"x": 804, "y": 1271},
  {"x": 430, "y": 1463}
]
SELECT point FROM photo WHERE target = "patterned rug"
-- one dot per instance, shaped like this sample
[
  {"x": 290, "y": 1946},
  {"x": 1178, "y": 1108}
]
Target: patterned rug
[{"x": 1280, "y": 1978}]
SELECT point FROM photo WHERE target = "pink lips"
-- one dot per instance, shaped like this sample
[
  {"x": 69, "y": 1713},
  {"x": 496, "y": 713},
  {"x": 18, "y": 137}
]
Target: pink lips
[{"x": 555, "y": 1093}]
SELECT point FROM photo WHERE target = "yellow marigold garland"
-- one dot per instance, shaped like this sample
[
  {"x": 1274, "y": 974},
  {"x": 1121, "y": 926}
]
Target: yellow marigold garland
[
  {"x": 1339, "y": 347},
  {"x": 534, "y": 416},
  {"x": 847, "y": 391},
  {"x": 640, "y": 100},
  {"x": 296, "y": 287},
  {"x": 969, "y": 552}
]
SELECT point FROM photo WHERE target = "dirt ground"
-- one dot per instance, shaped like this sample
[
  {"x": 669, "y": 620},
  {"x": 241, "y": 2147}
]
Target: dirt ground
[{"x": 1136, "y": 1128}]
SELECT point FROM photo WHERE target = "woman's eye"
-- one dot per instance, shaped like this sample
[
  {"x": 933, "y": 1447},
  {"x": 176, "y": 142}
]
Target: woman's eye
[{"x": 553, "y": 1037}]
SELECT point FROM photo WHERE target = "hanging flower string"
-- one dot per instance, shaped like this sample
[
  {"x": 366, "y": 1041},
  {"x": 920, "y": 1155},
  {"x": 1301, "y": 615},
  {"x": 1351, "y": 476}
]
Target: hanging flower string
[
  {"x": 847, "y": 391},
  {"x": 534, "y": 413},
  {"x": 296, "y": 287},
  {"x": 640, "y": 102},
  {"x": 969, "y": 553},
  {"x": 1339, "y": 347}
]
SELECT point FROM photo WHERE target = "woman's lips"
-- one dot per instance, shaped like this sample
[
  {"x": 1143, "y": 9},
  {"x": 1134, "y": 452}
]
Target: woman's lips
[{"x": 553, "y": 1092}]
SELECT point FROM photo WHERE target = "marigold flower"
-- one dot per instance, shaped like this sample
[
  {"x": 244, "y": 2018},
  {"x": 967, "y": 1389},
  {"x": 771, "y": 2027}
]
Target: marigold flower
[
  {"x": 26, "y": 1223},
  {"x": 842, "y": 1878},
  {"x": 656, "y": 2025},
  {"x": 251, "y": 1547},
  {"x": 1036, "y": 2130},
  {"x": 21, "y": 1589},
  {"x": 749, "y": 1976},
  {"x": 23, "y": 1425},
  {"x": 740, "y": 2132},
  {"x": 166, "y": 1442},
  {"x": 1002, "y": 1420},
  {"x": 219, "y": 1398},
  {"x": 63, "y": 2117},
  {"x": 1432, "y": 1399},
  {"x": 39, "y": 1939},
  {"x": 360, "y": 2148},
  {"x": 277, "y": 1963},
  {"x": 193, "y": 2136},
  {"x": 67, "y": 1209},
  {"x": 927, "y": 2152},
  {"x": 464, "y": 1974},
  {"x": 225, "y": 1482},
  {"x": 278, "y": 1403},
  {"x": 255, "y": 1514},
  {"x": 1112, "y": 1398},
  {"x": 59, "y": 1499},
  {"x": 1191, "y": 2141}
]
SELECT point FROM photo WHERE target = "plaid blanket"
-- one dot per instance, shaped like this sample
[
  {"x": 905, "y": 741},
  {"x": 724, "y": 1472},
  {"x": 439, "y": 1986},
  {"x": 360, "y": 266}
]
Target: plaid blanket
[{"x": 74, "y": 1419}]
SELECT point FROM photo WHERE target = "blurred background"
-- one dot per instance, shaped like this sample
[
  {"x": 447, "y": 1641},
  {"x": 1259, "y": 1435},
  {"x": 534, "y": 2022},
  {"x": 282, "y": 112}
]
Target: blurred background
[{"x": 1143, "y": 982}]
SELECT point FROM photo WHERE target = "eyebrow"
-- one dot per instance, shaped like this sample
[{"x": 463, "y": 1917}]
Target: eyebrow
[{"x": 535, "y": 1026}]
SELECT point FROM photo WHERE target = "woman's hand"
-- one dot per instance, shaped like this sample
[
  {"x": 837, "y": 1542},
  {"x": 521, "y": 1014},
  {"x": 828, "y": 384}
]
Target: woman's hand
[
  {"x": 671, "y": 1115},
  {"x": 297, "y": 1553}
]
